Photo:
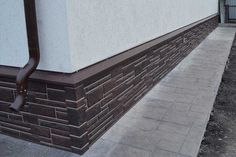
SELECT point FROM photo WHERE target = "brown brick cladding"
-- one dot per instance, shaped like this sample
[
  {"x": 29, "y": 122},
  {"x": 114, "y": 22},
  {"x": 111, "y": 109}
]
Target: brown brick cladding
[{"x": 73, "y": 117}]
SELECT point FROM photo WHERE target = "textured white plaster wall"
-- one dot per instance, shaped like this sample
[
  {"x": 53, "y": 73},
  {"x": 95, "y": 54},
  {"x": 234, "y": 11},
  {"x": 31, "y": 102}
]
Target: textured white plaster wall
[
  {"x": 13, "y": 43},
  {"x": 53, "y": 34},
  {"x": 102, "y": 28},
  {"x": 77, "y": 33}
]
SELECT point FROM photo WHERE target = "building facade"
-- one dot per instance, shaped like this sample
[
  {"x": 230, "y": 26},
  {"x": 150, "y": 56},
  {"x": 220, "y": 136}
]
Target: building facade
[{"x": 97, "y": 59}]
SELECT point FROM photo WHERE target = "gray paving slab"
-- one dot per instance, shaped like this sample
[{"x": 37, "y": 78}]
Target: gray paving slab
[{"x": 169, "y": 121}]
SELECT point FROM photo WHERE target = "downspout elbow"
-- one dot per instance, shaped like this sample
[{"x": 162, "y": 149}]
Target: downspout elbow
[
  {"x": 21, "y": 83},
  {"x": 19, "y": 101}
]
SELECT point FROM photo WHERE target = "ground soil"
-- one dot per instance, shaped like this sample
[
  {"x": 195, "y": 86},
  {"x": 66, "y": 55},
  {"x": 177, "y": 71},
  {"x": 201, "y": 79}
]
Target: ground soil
[{"x": 220, "y": 136}]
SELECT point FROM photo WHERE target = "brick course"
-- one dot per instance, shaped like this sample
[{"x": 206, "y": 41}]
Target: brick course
[{"x": 74, "y": 117}]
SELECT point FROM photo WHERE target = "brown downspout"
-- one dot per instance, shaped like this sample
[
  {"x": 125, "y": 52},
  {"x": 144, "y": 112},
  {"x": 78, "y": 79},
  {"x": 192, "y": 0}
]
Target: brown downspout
[{"x": 34, "y": 55}]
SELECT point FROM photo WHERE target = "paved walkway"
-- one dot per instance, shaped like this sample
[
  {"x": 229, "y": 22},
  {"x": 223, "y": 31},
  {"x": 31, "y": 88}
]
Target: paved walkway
[{"x": 169, "y": 121}]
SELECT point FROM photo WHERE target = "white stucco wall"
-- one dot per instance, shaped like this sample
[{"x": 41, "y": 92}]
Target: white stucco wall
[
  {"x": 53, "y": 34},
  {"x": 77, "y": 33},
  {"x": 102, "y": 28},
  {"x": 13, "y": 36}
]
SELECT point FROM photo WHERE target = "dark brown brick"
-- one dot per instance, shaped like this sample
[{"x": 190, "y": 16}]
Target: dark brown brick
[
  {"x": 30, "y": 118},
  {"x": 8, "y": 79},
  {"x": 3, "y": 114},
  {"x": 93, "y": 111},
  {"x": 61, "y": 140},
  {"x": 60, "y": 132},
  {"x": 62, "y": 115},
  {"x": 112, "y": 104},
  {"x": 80, "y": 150},
  {"x": 11, "y": 132},
  {"x": 125, "y": 78},
  {"x": 77, "y": 117},
  {"x": 14, "y": 126},
  {"x": 4, "y": 106},
  {"x": 56, "y": 94},
  {"x": 107, "y": 86},
  {"x": 44, "y": 139},
  {"x": 36, "y": 86},
  {"x": 96, "y": 80},
  {"x": 29, "y": 137},
  {"x": 16, "y": 117},
  {"x": 42, "y": 110},
  {"x": 51, "y": 103},
  {"x": 53, "y": 119},
  {"x": 37, "y": 95},
  {"x": 78, "y": 130},
  {"x": 95, "y": 95},
  {"x": 92, "y": 121},
  {"x": 76, "y": 104},
  {"x": 100, "y": 129},
  {"x": 7, "y": 84},
  {"x": 103, "y": 113},
  {"x": 139, "y": 68},
  {"x": 102, "y": 117},
  {"x": 106, "y": 99},
  {"x": 79, "y": 142},
  {"x": 15, "y": 122},
  {"x": 6, "y": 94},
  {"x": 119, "y": 89},
  {"x": 40, "y": 131},
  {"x": 118, "y": 111},
  {"x": 127, "y": 69},
  {"x": 53, "y": 125},
  {"x": 75, "y": 93}
]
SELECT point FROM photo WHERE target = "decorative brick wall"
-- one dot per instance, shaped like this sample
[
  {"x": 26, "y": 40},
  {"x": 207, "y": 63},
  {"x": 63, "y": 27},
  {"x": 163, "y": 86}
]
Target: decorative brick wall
[{"x": 73, "y": 116}]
